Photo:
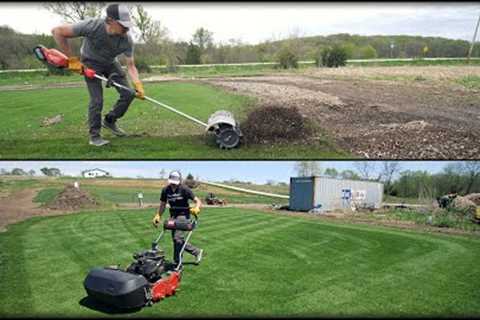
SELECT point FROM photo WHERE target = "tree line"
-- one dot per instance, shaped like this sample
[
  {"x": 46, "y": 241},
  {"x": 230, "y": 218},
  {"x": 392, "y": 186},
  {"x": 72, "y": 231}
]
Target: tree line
[
  {"x": 154, "y": 45},
  {"x": 458, "y": 177}
]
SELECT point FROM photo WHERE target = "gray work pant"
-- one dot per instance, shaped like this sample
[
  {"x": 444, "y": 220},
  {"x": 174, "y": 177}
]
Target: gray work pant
[
  {"x": 178, "y": 237},
  {"x": 95, "y": 90}
]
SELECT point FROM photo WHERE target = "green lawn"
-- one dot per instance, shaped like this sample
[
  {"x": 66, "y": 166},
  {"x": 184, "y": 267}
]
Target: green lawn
[
  {"x": 129, "y": 195},
  {"x": 255, "y": 264},
  {"x": 35, "y": 78},
  {"x": 157, "y": 133}
]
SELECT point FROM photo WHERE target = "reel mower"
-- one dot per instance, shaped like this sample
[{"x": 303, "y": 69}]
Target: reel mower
[
  {"x": 221, "y": 123},
  {"x": 148, "y": 279}
]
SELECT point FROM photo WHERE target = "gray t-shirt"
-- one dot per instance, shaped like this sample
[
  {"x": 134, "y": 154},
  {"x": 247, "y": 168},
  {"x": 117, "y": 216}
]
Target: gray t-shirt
[{"x": 98, "y": 45}]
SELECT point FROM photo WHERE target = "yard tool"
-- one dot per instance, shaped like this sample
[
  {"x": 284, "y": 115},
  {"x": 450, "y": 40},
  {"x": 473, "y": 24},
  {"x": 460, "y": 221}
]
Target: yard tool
[
  {"x": 221, "y": 123},
  {"x": 145, "y": 281}
]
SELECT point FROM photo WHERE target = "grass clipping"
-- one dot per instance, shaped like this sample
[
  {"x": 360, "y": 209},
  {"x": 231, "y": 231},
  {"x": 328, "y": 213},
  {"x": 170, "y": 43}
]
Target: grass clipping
[
  {"x": 72, "y": 198},
  {"x": 271, "y": 123}
]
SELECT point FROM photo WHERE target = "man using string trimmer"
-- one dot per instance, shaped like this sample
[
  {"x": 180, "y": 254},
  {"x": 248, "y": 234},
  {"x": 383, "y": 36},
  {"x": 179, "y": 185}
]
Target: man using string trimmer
[
  {"x": 104, "y": 40},
  {"x": 177, "y": 196}
]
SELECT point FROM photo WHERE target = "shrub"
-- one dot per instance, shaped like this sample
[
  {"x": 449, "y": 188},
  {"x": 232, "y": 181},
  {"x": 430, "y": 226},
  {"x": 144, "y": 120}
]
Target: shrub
[
  {"x": 334, "y": 57},
  {"x": 142, "y": 66},
  {"x": 287, "y": 57}
]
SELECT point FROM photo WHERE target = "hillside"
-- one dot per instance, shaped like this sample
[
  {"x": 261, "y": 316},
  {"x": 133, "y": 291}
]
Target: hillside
[{"x": 16, "y": 51}]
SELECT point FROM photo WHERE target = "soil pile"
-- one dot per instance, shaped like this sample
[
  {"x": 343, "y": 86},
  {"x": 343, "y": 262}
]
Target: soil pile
[
  {"x": 272, "y": 123},
  {"x": 72, "y": 198},
  {"x": 464, "y": 204},
  {"x": 474, "y": 197}
]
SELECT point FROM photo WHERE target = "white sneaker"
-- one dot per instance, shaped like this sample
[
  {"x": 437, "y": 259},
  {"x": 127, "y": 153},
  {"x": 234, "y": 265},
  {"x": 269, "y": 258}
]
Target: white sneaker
[
  {"x": 199, "y": 257},
  {"x": 98, "y": 141}
]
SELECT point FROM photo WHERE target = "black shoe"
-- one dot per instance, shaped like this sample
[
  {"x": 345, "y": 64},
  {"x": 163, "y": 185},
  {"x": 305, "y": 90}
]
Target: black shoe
[{"x": 112, "y": 126}]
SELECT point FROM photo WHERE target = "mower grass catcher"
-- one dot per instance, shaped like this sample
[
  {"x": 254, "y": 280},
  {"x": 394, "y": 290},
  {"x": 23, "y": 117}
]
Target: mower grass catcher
[
  {"x": 145, "y": 281},
  {"x": 221, "y": 123}
]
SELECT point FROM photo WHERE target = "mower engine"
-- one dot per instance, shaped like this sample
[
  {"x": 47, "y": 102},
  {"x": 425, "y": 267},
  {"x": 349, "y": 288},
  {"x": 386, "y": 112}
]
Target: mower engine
[{"x": 148, "y": 279}]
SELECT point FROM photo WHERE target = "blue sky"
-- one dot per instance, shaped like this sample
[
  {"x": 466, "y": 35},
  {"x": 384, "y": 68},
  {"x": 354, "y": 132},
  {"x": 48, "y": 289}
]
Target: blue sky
[
  {"x": 253, "y": 22},
  {"x": 255, "y": 171}
]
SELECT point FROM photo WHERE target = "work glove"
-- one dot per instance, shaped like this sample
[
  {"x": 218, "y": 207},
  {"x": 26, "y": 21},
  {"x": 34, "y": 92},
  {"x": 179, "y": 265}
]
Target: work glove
[
  {"x": 140, "y": 91},
  {"x": 195, "y": 211},
  {"x": 75, "y": 65},
  {"x": 156, "y": 220}
]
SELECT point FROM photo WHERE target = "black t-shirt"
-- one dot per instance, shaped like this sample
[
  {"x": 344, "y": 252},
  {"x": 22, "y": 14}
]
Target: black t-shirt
[{"x": 177, "y": 199}]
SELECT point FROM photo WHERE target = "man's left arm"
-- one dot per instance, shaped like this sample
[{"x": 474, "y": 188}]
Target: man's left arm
[
  {"x": 196, "y": 209},
  {"x": 133, "y": 73},
  {"x": 197, "y": 201}
]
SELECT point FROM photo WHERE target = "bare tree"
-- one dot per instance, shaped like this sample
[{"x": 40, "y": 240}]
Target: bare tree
[
  {"x": 387, "y": 172},
  {"x": 471, "y": 169},
  {"x": 365, "y": 169},
  {"x": 151, "y": 31},
  {"x": 307, "y": 168},
  {"x": 75, "y": 11}
]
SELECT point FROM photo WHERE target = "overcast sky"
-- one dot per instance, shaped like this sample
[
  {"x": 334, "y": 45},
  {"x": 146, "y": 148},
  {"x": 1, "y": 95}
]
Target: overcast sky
[
  {"x": 254, "y": 171},
  {"x": 257, "y": 22}
]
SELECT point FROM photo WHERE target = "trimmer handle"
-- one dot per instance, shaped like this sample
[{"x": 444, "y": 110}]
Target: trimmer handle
[{"x": 89, "y": 73}]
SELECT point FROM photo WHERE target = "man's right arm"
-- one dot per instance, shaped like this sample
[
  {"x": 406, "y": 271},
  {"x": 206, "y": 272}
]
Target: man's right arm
[
  {"x": 162, "y": 207},
  {"x": 61, "y": 35}
]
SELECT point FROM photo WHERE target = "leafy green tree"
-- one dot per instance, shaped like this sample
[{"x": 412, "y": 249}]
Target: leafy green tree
[
  {"x": 193, "y": 54},
  {"x": 287, "y": 57},
  {"x": 203, "y": 38},
  {"x": 308, "y": 168},
  {"x": 368, "y": 52},
  {"x": 350, "y": 175},
  {"x": 51, "y": 172},
  {"x": 334, "y": 56},
  {"x": 19, "y": 172},
  {"x": 331, "y": 172}
]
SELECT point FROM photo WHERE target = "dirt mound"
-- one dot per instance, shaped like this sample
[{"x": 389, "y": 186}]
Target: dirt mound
[
  {"x": 474, "y": 197},
  {"x": 464, "y": 204},
  {"x": 272, "y": 123},
  {"x": 72, "y": 198}
]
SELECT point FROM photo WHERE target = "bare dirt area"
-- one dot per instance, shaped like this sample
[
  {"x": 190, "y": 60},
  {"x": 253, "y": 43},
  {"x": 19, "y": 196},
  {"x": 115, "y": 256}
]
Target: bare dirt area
[
  {"x": 359, "y": 219},
  {"x": 19, "y": 206},
  {"x": 389, "y": 119}
]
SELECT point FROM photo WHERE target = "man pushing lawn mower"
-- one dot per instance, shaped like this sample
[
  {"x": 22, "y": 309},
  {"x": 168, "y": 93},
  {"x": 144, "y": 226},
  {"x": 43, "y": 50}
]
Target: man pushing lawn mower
[
  {"x": 104, "y": 40},
  {"x": 177, "y": 195},
  {"x": 151, "y": 277}
]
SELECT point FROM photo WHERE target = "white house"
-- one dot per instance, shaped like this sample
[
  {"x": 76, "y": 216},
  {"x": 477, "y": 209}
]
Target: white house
[{"x": 95, "y": 173}]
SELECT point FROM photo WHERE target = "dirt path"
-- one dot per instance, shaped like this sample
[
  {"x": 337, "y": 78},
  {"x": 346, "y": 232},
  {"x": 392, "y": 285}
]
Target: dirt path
[
  {"x": 378, "y": 119},
  {"x": 19, "y": 206}
]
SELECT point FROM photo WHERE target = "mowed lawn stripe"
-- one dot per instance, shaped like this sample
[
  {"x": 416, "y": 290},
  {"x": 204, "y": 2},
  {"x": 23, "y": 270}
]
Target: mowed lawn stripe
[{"x": 255, "y": 264}]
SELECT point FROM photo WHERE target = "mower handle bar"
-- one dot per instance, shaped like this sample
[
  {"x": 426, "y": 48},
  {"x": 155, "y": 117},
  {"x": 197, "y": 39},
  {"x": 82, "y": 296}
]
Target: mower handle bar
[
  {"x": 195, "y": 221},
  {"x": 180, "y": 262},
  {"x": 118, "y": 85}
]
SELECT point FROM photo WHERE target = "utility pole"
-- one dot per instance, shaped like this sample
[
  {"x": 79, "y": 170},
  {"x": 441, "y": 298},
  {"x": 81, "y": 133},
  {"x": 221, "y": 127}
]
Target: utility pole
[{"x": 473, "y": 41}]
